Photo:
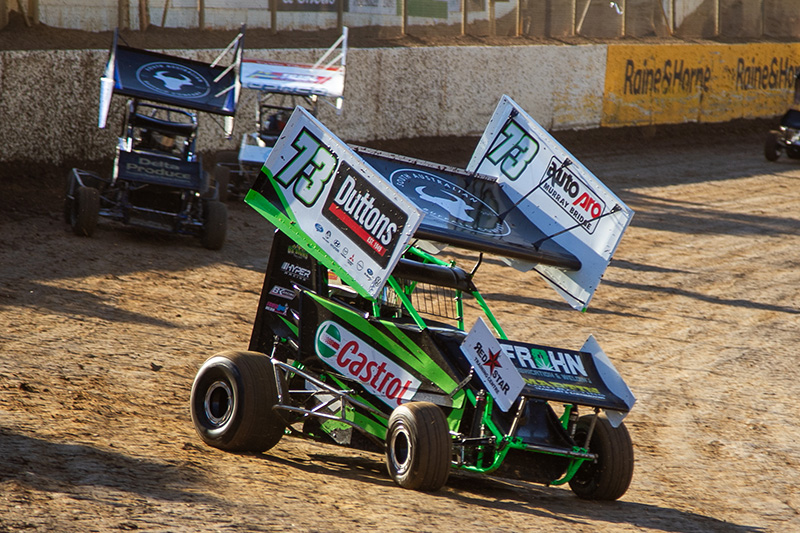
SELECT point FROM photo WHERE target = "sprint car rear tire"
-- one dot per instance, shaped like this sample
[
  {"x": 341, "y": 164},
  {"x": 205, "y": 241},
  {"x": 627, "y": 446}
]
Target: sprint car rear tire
[
  {"x": 85, "y": 210},
  {"x": 215, "y": 226},
  {"x": 771, "y": 147},
  {"x": 231, "y": 402},
  {"x": 609, "y": 476},
  {"x": 222, "y": 176},
  {"x": 418, "y": 446}
]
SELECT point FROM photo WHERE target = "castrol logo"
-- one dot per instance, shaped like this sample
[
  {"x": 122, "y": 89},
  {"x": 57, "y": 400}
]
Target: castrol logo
[{"x": 354, "y": 358}]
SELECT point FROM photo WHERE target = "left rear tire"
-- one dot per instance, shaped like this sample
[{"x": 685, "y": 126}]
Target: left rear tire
[{"x": 231, "y": 403}]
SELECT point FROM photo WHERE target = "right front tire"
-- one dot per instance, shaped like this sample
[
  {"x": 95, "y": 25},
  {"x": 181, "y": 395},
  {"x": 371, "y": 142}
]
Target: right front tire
[
  {"x": 418, "y": 446},
  {"x": 231, "y": 403},
  {"x": 84, "y": 210},
  {"x": 609, "y": 476}
]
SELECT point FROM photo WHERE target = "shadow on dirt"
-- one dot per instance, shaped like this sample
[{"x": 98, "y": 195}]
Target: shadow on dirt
[
  {"x": 684, "y": 217},
  {"x": 41, "y": 465},
  {"x": 714, "y": 300},
  {"x": 511, "y": 496},
  {"x": 560, "y": 504},
  {"x": 70, "y": 303}
]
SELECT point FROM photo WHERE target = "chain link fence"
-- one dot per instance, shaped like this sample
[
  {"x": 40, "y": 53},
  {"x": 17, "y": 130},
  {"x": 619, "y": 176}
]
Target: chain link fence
[{"x": 546, "y": 19}]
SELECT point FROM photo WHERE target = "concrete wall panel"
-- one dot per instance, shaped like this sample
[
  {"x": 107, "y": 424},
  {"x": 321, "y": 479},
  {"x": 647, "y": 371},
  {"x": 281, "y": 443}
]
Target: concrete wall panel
[{"x": 48, "y": 99}]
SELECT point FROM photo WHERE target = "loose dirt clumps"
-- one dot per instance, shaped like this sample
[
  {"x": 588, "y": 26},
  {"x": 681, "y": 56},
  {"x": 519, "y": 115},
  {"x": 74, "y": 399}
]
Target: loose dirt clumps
[{"x": 699, "y": 310}]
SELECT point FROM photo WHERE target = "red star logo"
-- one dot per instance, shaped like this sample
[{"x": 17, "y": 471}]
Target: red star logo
[{"x": 493, "y": 361}]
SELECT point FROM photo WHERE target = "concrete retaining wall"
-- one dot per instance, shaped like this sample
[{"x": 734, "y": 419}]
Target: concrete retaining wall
[{"x": 48, "y": 99}]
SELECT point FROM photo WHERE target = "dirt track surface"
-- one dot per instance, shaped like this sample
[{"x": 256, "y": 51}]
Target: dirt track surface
[{"x": 100, "y": 340}]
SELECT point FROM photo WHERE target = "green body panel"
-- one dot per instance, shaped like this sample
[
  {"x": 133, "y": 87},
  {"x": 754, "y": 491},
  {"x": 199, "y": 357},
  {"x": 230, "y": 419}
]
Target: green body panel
[
  {"x": 372, "y": 423},
  {"x": 285, "y": 222},
  {"x": 401, "y": 346}
]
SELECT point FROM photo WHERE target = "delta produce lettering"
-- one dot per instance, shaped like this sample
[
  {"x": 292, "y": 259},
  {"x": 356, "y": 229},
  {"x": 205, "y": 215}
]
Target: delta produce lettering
[{"x": 163, "y": 169}]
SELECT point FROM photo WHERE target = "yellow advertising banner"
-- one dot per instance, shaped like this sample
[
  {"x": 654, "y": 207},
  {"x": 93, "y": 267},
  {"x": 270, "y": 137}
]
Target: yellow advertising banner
[{"x": 672, "y": 84}]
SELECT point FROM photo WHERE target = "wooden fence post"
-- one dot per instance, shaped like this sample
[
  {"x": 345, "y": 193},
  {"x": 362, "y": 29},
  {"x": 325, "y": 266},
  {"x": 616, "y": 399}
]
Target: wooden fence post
[
  {"x": 144, "y": 14},
  {"x": 3, "y": 13},
  {"x": 123, "y": 14}
]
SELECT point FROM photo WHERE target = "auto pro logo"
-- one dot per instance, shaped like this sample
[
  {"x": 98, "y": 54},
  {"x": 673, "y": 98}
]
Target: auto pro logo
[
  {"x": 572, "y": 195},
  {"x": 357, "y": 360},
  {"x": 173, "y": 79},
  {"x": 449, "y": 203},
  {"x": 364, "y": 214}
]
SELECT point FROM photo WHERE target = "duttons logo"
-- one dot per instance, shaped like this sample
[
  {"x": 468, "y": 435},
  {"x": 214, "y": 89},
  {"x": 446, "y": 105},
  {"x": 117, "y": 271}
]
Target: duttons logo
[
  {"x": 173, "y": 79},
  {"x": 362, "y": 212},
  {"x": 449, "y": 203}
]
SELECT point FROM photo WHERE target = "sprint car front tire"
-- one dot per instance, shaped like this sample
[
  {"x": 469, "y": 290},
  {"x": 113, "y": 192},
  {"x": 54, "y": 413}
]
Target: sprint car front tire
[
  {"x": 84, "y": 211},
  {"x": 609, "y": 476},
  {"x": 418, "y": 446},
  {"x": 215, "y": 225},
  {"x": 231, "y": 402},
  {"x": 771, "y": 147}
]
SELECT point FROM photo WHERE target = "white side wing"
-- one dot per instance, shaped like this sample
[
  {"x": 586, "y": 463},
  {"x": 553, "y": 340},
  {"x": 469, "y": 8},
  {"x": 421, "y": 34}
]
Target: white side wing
[{"x": 557, "y": 193}]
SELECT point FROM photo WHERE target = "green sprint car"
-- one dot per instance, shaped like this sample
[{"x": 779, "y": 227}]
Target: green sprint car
[{"x": 360, "y": 336}]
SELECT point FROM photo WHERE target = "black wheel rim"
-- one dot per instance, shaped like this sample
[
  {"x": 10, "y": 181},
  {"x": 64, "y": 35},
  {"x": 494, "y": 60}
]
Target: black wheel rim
[
  {"x": 218, "y": 404},
  {"x": 400, "y": 450}
]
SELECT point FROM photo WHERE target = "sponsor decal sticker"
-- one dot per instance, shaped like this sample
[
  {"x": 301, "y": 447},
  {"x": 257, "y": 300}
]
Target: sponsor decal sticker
[
  {"x": 156, "y": 167},
  {"x": 298, "y": 251},
  {"x": 272, "y": 75},
  {"x": 294, "y": 271},
  {"x": 350, "y": 355},
  {"x": 492, "y": 365},
  {"x": 551, "y": 361},
  {"x": 446, "y": 201},
  {"x": 572, "y": 195},
  {"x": 282, "y": 292},
  {"x": 173, "y": 79},
  {"x": 274, "y": 307},
  {"x": 552, "y": 370},
  {"x": 364, "y": 214}
]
